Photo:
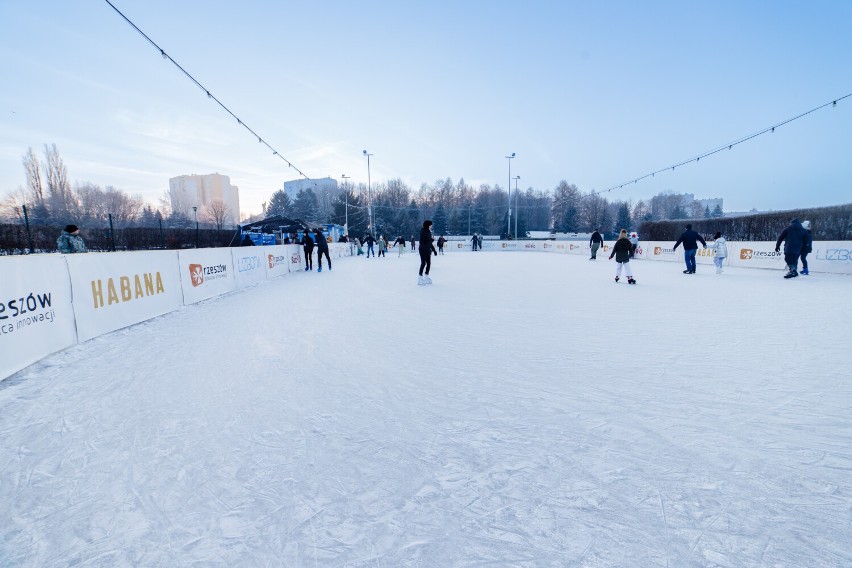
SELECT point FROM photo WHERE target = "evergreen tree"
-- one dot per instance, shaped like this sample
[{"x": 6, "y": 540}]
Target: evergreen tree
[
  {"x": 717, "y": 212},
  {"x": 306, "y": 206},
  {"x": 280, "y": 205},
  {"x": 440, "y": 221},
  {"x": 623, "y": 220}
]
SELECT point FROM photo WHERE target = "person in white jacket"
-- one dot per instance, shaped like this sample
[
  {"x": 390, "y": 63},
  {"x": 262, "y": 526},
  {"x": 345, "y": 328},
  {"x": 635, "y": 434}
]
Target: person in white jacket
[{"x": 720, "y": 246}]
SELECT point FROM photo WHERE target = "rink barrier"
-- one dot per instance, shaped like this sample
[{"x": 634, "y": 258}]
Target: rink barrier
[{"x": 51, "y": 302}]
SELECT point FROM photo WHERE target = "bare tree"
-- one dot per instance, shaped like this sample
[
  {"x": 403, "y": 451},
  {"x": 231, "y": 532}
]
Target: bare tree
[
  {"x": 596, "y": 212},
  {"x": 11, "y": 205},
  {"x": 60, "y": 198},
  {"x": 217, "y": 213},
  {"x": 35, "y": 187}
]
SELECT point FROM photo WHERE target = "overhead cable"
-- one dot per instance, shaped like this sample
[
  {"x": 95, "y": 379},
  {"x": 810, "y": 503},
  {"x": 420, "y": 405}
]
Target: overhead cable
[{"x": 206, "y": 91}]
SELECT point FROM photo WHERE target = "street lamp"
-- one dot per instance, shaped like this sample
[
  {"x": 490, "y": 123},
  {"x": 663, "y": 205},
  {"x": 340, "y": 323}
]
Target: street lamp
[
  {"x": 516, "y": 178},
  {"x": 345, "y": 177},
  {"x": 509, "y": 190},
  {"x": 195, "y": 212},
  {"x": 369, "y": 195}
]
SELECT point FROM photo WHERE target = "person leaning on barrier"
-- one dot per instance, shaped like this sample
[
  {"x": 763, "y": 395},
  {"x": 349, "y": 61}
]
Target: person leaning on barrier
[
  {"x": 795, "y": 239},
  {"x": 70, "y": 241}
]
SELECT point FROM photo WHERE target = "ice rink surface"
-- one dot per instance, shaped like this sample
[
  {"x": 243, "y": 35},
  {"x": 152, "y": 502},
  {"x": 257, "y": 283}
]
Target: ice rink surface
[{"x": 523, "y": 410}]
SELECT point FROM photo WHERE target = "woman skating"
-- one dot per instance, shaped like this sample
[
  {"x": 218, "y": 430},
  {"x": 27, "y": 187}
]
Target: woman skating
[{"x": 621, "y": 251}]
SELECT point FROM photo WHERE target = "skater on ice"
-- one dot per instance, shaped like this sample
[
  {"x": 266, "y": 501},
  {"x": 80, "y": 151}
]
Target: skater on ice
[
  {"x": 795, "y": 239},
  {"x": 322, "y": 249},
  {"x": 426, "y": 251},
  {"x": 308, "y": 245},
  {"x": 806, "y": 248},
  {"x": 441, "y": 242},
  {"x": 690, "y": 239},
  {"x": 621, "y": 252},
  {"x": 720, "y": 249},
  {"x": 595, "y": 242}
]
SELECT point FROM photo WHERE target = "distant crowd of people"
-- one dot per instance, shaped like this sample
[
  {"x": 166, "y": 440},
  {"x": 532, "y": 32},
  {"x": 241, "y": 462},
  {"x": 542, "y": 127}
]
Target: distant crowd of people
[{"x": 796, "y": 237}]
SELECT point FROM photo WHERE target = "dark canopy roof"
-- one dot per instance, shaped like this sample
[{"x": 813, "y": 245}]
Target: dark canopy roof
[{"x": 274, "y": 224}]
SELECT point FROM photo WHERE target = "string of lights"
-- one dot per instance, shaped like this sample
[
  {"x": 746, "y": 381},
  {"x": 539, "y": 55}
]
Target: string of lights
[
  {"x": 210, "y": 95},
  {"x": 728, "y": 146}
]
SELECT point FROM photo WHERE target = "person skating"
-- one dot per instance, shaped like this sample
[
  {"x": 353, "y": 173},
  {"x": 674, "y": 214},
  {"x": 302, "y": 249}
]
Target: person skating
[
  {"x": 720, "y": 248},
  {"x": 807, "y": 248},
  {"x": 795, "y": 239},
  {"x": 383, "y": 245},
  {"x": 426, "y": 251},
  {"x": 413, "y": 243},
  {"x": 70, "y": 241},
  {"x": 308, "y": 246},
  {"x": 690, "y": 239},
  {"x": 621, "y": 252},
  {"x": 474, "y": 241},
  {"x": 595, "y": 243},
  {"x": 401, "y": 243},
  {"x": 634, "y": 240},
  {"x": 479, "y": 241},
  {"x": 322, "y": 249},
  {"x": 441, "y": 242},
  {"x": 370, "y": 240}
]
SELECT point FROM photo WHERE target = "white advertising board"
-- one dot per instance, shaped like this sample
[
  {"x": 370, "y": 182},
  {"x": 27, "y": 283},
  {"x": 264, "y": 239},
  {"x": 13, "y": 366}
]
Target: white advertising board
[
  {"x": 830, "y": 256},
  {"x": 205, "y": 273},
  {"x": 36, "y": 316},
  {"x": 296, "y": 254},
  {"x": 249, "y": 265},
  {"x": 755, "y": 255},
  {"x": 113, "y": 290},
  {"x": 277, "y": 260}
]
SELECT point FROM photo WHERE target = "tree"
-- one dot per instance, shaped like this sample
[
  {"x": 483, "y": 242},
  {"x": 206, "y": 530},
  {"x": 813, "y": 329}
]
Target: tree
[
  {"x": 623, "y": 220},
  {"x": 566, "y": 207},
  {"x": 279, "y": 205},
  {"x": 717, "y": 212},
  {"x": 678, "y": 213},
  {"x": 306, "y": 207},
  {"x": 217, "y": 212},
  {"x": 707, "y": 212},
  {"x": 641, "y": 212},
  {"x": 595, "y": 212},
  {"x": 440, "y": 221},
  {"x": 59, "y": 196}
]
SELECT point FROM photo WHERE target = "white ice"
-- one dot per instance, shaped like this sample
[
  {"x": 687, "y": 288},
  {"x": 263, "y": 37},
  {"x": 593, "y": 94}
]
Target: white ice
[{"x": 523, "y": 410}]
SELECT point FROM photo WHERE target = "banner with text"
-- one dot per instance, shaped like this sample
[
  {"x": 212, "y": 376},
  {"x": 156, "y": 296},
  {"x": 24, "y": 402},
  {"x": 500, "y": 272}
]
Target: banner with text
[
  {"x": 36, "y": 316},
  {"x": 296, "y": 257},
  {"x": 277, "y": 260},
  {"x": 249, "y": 265},
  {"x": 115, "y": 290},
  {"x": 205, "y": 273}
]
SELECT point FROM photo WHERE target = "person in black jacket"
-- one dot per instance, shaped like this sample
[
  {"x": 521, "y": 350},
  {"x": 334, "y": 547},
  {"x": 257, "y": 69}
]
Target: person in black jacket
[
  {"x": 426, "y": 251},
  {"x": 690, "y": 239},
  {"x": 807, "y": 248},
  {"x": 795, "y": 238},
  {"x": 441, "y": 242},
  {"x": 595, "y": 243},
  {"x": 621, "y": 252},
  {"x": 308, "y": 245},
  {"x": 370, "y": 241},
  {"x": 322, "y": 249}
]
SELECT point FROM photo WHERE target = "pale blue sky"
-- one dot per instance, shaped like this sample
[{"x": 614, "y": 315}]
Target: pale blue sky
[{"x": 595, "y": 93}]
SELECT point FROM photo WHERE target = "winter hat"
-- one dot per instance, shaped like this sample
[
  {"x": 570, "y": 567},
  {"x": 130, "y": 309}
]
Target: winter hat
[
  {"x": 717, "y": 235},
  {"x": 806, "y": 225},
  {"x": 623, "y": 232},
  {"x": 71, "y": 228},
  {"x": 427, "y": 223}
]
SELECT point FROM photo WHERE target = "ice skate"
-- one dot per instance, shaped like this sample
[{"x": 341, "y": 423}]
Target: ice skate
[
  {"x": 427, "y": 280},
  {"x": 420, "y": 281},
  {"x": 804, "y": 272},
  {"x": 616, "y": 279},
  {"x": 630, "y": 280},
  {"x": 319, "y": 269},
  {"x": 791, "y": 274}
]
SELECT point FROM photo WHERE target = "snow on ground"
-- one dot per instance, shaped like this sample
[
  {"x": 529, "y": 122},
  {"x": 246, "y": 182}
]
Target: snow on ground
[{"x": 524, "y": 410}]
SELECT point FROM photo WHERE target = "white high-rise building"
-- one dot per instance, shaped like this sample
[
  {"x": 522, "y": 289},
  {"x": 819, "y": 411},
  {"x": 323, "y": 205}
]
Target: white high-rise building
[{"x": 205, "y": 192}]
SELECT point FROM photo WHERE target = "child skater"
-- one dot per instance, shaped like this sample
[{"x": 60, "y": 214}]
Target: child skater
[
  {"x": 621, "y": 252},
  {"x": 720, "y": 245}
]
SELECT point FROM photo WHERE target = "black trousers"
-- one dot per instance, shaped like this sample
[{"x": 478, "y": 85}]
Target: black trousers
[
  {"x": 425, "y": 262},
  {"x": 319, "y": 258},
  {"x": 309, "y": 259}
]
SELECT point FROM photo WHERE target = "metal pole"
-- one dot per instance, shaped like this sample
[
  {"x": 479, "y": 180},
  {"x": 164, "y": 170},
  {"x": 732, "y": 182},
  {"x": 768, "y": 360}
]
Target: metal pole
[
  {"x": 468, "y": 219},
  {"x": 369, "y": 194},
  {"x": 509, "y": 191},
  {"x": 29, "y": 233},
  {"x": 162, "y": 238},
  {"x": 195, "y": 211},
  {"x": 516, "y": 206},
  {"x": 111, "y": 232},
  {"x": 346, "y": 189}
]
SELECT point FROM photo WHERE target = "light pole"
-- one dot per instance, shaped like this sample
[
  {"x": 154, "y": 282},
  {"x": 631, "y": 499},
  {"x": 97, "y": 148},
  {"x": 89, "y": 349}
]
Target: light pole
[
  {"x": 195, "y": 211},
  {"x": 369, "y": 195},
  {"x": 509, "y": 190},
  {"x": 468, "y": 218},
  {"x": 345, "y": 177},
  {"x": 516, "y": 178}
]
